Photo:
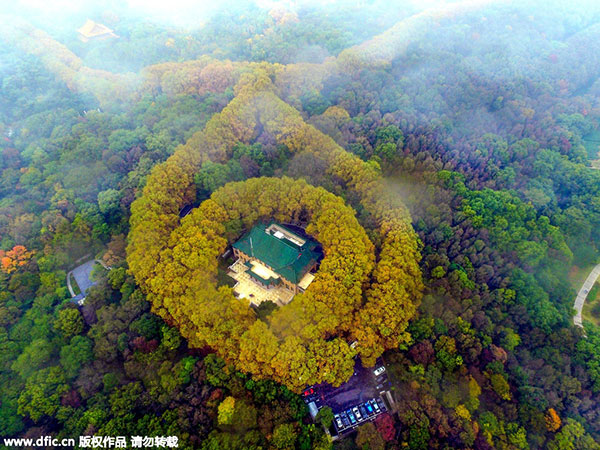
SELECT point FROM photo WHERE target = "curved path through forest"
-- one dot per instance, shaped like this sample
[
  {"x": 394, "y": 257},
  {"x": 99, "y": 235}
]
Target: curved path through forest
[{"x": 583, "y": 293}]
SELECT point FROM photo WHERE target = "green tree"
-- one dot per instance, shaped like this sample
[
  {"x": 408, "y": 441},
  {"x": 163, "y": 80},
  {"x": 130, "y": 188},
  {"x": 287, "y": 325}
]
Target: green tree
[
  {"x": 75, "y": 355},
  {"x": 69, "y": 322},
  {"x": 265, "y": 309},
  {"x": 171, "y": 340},
  {"x": 125, "y": 398},
  {"x": 37, "y": 354},
  {"x": 226, "y": 410},
  {"x": 42, "y": 393},
  {"x": 284, "y": 436},
  {"x": 109, "y": 201},
  {"x": 438, "y": 272},
  {"x": 325, "y": 416},
  {"x": 418, "y": 437},
  {"x": 572, "y": 436},
  {"x": 10, "y": 421},
  {"x": 500, "y": 386},
  {"x": 236, "y": 414}
]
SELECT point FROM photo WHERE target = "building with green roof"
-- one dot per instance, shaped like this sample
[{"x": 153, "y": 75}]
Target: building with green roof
[{"x": 276, "y": 255}]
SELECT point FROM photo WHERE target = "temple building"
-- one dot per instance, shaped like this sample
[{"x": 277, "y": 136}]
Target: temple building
[
  {"x": 273, "y": 263},
  {"x": 95, "y": 31}
]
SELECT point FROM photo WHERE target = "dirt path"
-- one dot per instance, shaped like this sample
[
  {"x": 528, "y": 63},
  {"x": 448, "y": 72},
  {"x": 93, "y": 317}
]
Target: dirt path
[{"x": 583, "y": 293}]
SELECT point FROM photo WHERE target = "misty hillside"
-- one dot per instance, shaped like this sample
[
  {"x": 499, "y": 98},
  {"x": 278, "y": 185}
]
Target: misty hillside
[{"x": 439, "y": 160}]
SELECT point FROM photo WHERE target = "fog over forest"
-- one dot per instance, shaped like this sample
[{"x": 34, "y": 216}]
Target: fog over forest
[{"x": 444, "y": 155}]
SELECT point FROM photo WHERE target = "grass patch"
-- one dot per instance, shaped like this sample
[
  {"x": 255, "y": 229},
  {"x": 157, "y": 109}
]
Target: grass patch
[
  {"x": 74, "y": 285},
  {"x": 591, "y": 307},
  {"x": 577, "y": 275}
]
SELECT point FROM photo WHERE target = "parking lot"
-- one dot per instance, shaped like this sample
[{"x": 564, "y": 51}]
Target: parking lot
[
  {"x": 357, "y": 414},
  {"x": 357, "y": 401}
]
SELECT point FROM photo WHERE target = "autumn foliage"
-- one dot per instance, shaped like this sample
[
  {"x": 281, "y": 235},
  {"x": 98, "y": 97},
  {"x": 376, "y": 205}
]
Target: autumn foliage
[
  {"x": 363, "y": 292},
  {"x": 304, "y": 342},
  {"x": 11, "y": 260},
  {"x": 553, "y": 421}
]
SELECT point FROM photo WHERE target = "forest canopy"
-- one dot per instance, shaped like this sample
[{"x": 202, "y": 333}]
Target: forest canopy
[
  {"x": 444, "y": 154},
  {"x": 344, "y": 303}
]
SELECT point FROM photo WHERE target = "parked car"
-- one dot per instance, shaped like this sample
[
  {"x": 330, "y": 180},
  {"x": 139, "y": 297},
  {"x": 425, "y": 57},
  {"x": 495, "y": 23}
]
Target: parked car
[
  {"x": 345, "y": 420},
  {"x": 351, "y": 417},
  {"x": 369, "y": 408},
  {"x": 381, "y": 404},
  {"x": 363, "y": 411},
  {"x": 379, "y": 371},
  {"x": 338, "y": 422},
  {"x": 375, "y": 405},
  {"x": 357, "y": 413},
  {"x": 308, "y": 392}
]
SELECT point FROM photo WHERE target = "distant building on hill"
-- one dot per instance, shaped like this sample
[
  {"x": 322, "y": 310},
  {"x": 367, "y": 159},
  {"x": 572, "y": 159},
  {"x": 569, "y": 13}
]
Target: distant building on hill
[
  {"x": 273, "y": 263},
  {"x": 95, "y": 31}
]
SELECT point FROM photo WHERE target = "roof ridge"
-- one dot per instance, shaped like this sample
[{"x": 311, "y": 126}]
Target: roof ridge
[
  {"x": 282, "y": 255},
  {"x": 294, "y": 258}
]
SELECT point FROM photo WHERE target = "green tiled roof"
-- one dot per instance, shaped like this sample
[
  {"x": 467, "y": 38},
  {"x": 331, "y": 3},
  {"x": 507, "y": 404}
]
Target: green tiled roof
[{"x": 282, "y": 256}]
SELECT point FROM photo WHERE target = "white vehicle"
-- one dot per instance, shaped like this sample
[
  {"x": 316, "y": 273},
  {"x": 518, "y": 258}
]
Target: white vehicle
[
  {"x": 338, "y": 421},
  {"x": 375, "y": 405},
  {"x": 357, "y": 413},
  {"x": 379, "y": 371}
]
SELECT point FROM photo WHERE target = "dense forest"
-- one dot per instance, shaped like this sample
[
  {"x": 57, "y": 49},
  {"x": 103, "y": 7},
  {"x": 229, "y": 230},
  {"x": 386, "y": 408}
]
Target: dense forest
[{"x": 446, "y": 158}]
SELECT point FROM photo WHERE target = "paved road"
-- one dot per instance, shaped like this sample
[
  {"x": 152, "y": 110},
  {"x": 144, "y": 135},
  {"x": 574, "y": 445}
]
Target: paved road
[{"x": 583, "y": 293}]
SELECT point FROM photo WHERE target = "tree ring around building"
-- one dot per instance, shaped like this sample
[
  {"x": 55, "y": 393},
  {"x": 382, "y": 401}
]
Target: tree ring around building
[
  {"x": 304, "y": 342},
  {"x": 389, "y": 297}
]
